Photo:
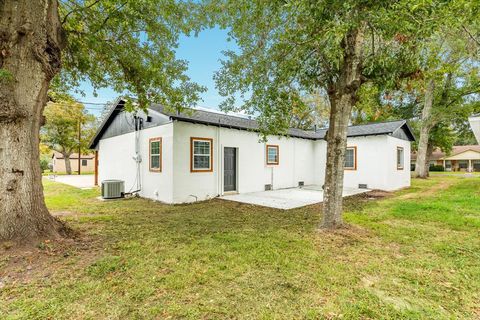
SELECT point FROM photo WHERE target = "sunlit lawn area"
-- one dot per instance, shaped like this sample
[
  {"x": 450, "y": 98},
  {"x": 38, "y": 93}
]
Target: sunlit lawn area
[{"x": 413, "y": 255}]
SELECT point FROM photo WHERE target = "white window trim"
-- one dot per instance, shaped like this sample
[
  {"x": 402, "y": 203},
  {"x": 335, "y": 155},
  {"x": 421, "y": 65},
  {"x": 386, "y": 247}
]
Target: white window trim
[
  {"x": 354, "y": 148},
  {"x": 277, "y": 149},
  {"x": 192, "y": 154},
  {"x": 159, "y": 154},
  {"x": 401, "y": 165}
]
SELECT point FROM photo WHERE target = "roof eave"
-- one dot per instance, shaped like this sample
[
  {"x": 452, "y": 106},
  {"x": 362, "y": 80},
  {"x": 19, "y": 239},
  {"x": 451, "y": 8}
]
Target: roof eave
[
  {"x": 184, "y": 119},
  {"x": 94, "y": 141}
]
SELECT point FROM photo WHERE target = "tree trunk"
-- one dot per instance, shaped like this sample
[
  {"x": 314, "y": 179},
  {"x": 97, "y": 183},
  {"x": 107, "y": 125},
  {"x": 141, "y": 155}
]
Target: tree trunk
[
  {"x": 30, "y": 34},
  {"x": 426, "y": 124},
  {"x": 342, "y": 95},
  {"x": 68, "y": 164},
  {"x": 429, "y": 155}
]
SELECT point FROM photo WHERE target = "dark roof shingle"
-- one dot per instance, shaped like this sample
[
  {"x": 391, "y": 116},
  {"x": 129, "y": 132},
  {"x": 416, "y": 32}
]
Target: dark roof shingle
[{"x": 245, "y": 123}]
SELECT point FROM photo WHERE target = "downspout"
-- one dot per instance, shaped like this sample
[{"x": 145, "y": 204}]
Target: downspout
[{"x": 137, "y": 157}]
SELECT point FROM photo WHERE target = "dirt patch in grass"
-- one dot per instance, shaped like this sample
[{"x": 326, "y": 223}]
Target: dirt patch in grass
[
  {"x": 343, "y": 236},
  {"x": 441, "y": 185},
  {"x": 23, "y": 264}
]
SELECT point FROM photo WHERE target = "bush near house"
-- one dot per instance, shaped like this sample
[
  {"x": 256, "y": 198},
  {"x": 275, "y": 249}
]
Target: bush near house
[
  {"x": 437, "y": 168},
  {"x": 413, "y": 254}
]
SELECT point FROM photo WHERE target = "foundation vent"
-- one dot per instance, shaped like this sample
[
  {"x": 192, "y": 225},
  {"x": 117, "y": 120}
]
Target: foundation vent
[
  {"x": 362, "y": 186},
  {"x": 268, "y": 187},
  {"x": 301, "y": 183}
]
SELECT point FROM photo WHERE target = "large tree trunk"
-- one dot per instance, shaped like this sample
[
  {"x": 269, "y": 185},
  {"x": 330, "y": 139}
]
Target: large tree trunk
[
  {"x": 30, "y": 34},
  {"x": 68, "y": 164},
  {"x": 426, "y": 124},
  {"x": 342, "y": 95}
]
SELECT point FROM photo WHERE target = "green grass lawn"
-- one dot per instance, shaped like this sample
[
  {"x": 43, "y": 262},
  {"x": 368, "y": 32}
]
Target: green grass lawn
[{"x": 412, "y": 255}]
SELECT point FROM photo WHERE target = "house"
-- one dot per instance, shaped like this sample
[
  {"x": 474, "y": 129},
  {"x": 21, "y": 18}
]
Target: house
[
  {"x": 475, "y": 124},
  {"x": 199, "y": 154},
  {"x": 462, "y": 158},
  {"x": 87, "y": 162}
]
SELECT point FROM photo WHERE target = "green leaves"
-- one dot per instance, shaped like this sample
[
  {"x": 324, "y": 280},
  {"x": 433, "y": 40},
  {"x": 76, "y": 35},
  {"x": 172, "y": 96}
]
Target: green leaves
[
  {"x": 63, "y": 116},
  {"x": 130, "y": 46},
  {"x": 298, "y": 46}
]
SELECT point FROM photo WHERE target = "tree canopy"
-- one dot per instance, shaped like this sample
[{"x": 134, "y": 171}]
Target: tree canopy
[
  {"x": 63, "y": 119},
  {"x": 130, "y": 47},
  {"x": 290, "y": 48}
]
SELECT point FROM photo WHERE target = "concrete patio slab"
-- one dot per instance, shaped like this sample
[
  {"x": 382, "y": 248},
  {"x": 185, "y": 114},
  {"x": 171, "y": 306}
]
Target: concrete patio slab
[
  {"x": 287, "y": 198},
  {"x": 85, "y": 181}
]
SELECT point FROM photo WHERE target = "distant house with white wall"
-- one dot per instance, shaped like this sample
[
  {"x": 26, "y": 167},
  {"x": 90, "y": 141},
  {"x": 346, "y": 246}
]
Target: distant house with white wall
[
  {"x": 461, "y": 158},
  {"x": 475, "y": 124},
  {"x": 87, "y": 162},
  {"x": 197, "y": 155}
]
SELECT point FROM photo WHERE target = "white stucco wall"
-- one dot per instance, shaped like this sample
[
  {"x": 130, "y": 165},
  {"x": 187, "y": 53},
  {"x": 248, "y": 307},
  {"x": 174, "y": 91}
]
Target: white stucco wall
[
  {"x": 299, "y": 160},
  {"x": 116, "y": 162},
  {"x": 296, "y": 162},
  {"x": 397, "y": 179},
  {"x": 376, "y": 163}
]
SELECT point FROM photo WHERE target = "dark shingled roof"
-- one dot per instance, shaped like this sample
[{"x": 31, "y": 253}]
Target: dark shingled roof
[
  {"x": 236, "y": 122},
  {"x": 242, "y": 123},
  {"x": 225, "y": 120},
  {"x": 371, "y": 129}
]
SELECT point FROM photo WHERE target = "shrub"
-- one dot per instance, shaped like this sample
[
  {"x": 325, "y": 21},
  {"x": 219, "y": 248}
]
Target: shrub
[
  {"x": 437, "y": 168},
  {"x": 44, "y": 164}
]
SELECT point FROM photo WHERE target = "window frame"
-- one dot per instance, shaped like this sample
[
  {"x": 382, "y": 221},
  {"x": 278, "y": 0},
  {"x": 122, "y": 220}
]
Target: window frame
[
  {"x": 354, "y": 168},
  {"x": 192, "y": 155},
  {"x": 160, "y": 154},
  {"x": 402, "y": 165},
  {"x": 274, "y": 146},
  {"x": 463, "y": 161}
]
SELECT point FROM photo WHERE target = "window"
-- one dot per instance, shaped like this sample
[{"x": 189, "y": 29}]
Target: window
[
  {"x": 448, "y": 164},
  {"x": 463, "y": 164},
  {"x": 272, "y": 154},
  {"x": 351, "y": 158},
  {"x": 201, "y": 155},
  {"x": 155, "y": 161},
  {"x": 84, "y": 162},
  {"x": 400, "y": 158},
  {"x": 476, "y": 165}
]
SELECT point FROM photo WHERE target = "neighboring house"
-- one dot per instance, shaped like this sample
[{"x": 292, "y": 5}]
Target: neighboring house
[
  {"x": 475, "y": 124},
  {"x": 184, "y": 157},
  {"x": 87, "y": 162},
  {"x": 462, "y": 158}
]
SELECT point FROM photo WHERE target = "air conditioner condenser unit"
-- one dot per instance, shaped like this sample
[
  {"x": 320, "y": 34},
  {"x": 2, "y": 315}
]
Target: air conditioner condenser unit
[{"x": 113, "y": 189}]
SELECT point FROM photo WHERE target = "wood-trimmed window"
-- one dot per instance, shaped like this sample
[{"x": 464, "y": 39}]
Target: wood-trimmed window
[
  {"x": 272, "y": 154},
  {"x": 155, "y": 154},
  {"x": 201, "y": 154},
  {"x": 400, "y": 158},
  {"x": 351, "y": 158}
]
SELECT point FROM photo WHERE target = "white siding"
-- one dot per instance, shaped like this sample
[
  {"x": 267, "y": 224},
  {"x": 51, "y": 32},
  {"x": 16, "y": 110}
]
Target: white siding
[
  {"x": 116, "y": 162},
  {"x": 299, "y": 160},
  {"x": 376, "y": 163},
  {"x": 296, "y": 162}
]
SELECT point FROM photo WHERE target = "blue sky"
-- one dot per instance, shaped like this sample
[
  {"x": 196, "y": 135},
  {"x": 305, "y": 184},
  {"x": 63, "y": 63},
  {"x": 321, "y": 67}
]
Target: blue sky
[{"x": 203, "y": 54}]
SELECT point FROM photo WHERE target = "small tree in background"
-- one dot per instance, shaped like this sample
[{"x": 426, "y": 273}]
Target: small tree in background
[{"x": 63, "y": 120}]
